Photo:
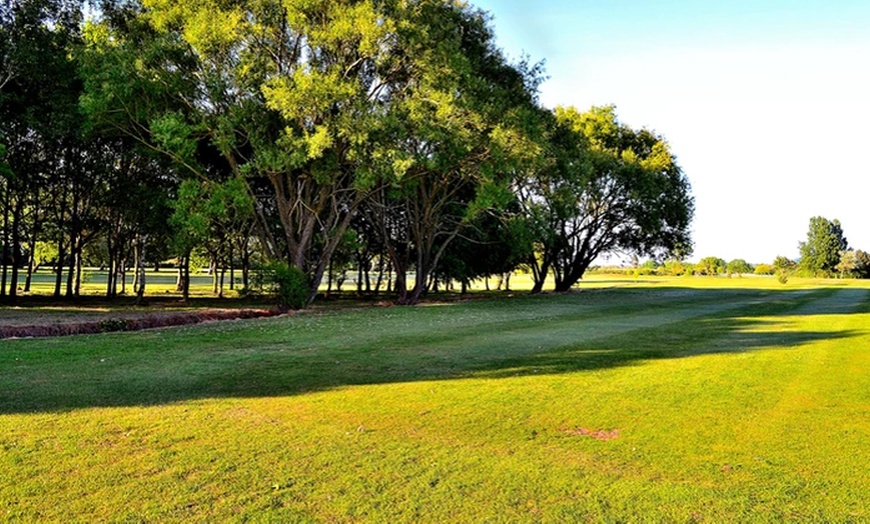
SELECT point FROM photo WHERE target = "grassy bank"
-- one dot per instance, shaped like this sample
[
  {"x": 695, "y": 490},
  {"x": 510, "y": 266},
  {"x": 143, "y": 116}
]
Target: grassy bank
[{"x": 683, "y": 399}]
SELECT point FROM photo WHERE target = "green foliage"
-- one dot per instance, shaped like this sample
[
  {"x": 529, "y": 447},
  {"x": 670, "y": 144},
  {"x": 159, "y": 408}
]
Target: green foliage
[
  {"x": 782, "y": 263},
  {"x": 289, "y": 284},
  {"x": 854, "y": 264},
  {"x": 764, "y": 269},
  {"x": 710, "y": 266},
  {"x": 607, "y": 187},
  {"x": 673, "y": 267},
  {"x": 784, "y": 268},
  {"x": 650, "y": 267},
  {"x": 206, "y": 212},
  {"x": 112, "y": 324},
  {"x": 5, "y": 170},
  {"x": 820, "y": 253},
  {"x": 739, "y": 266}
]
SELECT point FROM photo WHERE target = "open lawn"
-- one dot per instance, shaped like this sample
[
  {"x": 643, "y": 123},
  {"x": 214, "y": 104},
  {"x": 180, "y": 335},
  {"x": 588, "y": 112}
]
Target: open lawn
[{"x": 682, "y": 399}]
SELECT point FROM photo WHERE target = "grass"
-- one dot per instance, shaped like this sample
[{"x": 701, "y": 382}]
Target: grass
[{"x": 635, "y": 400}]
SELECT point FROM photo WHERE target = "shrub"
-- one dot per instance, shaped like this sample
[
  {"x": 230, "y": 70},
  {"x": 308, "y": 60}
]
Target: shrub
[
  {"x": 110, "y": 325},
  {"x": 289, "y": 284},
  {"x": 763, "y": 269}
]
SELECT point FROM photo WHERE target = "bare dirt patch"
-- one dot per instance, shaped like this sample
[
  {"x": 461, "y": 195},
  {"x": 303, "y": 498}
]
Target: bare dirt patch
[
  {"x": 37, "y": 316},
  {"x": 597, "y": 434},
  {"x": 128, "y": 321}
]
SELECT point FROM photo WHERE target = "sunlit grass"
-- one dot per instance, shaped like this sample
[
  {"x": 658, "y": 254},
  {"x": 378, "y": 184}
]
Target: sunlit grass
[{"x": 657, "y": 400}]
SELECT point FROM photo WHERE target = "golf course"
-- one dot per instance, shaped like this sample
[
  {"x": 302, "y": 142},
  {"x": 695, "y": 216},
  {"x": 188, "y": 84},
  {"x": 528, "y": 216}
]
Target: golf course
[{"x": 690, "y": 399}]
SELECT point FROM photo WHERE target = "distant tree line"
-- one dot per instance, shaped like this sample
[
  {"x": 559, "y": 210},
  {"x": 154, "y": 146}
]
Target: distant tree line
[
  {"x": 386, "y": 138},
  {"x": 825, "y": 253}
]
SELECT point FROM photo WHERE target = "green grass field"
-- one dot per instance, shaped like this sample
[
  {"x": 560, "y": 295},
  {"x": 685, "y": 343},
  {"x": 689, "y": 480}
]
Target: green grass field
[{"x": 681, "y": 400}]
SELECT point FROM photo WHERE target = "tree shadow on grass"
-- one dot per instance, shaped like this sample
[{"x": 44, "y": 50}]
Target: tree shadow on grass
[{"x": 492, "y": 339}]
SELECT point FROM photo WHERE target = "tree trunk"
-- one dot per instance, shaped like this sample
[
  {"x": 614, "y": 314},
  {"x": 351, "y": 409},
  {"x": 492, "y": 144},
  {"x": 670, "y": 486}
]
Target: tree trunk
[
  {"x": 112, "y": 275},
  {"x": 140, "y": 271},
  {"x": 380, "y": 279},
  {"x": 214, "y": 275},
  {"x": 71, "y": 269},
  {"x": 59, "y": 266},
  {"x": 539, "y": 274},
  {"x": 5, "y": 249},
  {"x": 136, "y": 261},
  {"x": 78, "y": 276},
  {"x": 246, "y": 265},
  {"x": 185, "y": 282},
  {"x": 16, "y": 246},
  {"x": 31, "y": 263},
  {"x": 123, "y": 273},
  {"x": 232, "y": 269}
]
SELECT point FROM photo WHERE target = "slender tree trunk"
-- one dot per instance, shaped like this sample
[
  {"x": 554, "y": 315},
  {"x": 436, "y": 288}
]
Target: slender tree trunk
[
  {"x": 136, "y": 261},
  {"x": 380, "y": 279},
  {"x": 123, "y": 273},
  {"x": 179, "y": 276},
  {"x": 17, "y": 215},
  {"x": 232, "y": 269},
  {"x": 214, "y": 275},
  {"x": 112, "y": 273},
  {"x": 59, "y": 267},
  {"x": 78, "y": 276},
  {"x": 61, "y": 251},
  {"x": 246, "y": 265},
  {"x": 185, "y": 282},
  {"x": 5, "y": 256},
  {"x": 140, "y": 271},
  {"x": 31, "y": 264},
  {"x": 71, "y": 269},
  {"x": 73, "y": 242}
]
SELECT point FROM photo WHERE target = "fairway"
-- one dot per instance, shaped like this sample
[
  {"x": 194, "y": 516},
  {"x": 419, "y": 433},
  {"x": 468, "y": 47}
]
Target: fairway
[{"x": 683, "y": 399}]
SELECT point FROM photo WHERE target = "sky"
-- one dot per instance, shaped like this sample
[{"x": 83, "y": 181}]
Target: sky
[{"x": 765, "y": 103}]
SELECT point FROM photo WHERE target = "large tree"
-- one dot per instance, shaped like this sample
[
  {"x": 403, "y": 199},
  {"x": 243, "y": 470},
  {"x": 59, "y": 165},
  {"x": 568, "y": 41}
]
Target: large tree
[
  {"x": 455, "y": 130},
  {"x": 606, "y": 188},
  {"x": 327, "y": 101},
  {"x": 820, "y": 253}
]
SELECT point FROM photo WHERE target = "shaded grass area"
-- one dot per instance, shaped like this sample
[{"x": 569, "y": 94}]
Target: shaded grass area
[
  {"x": 742, "y": 403},
  {"x": 510, "y": 337}
]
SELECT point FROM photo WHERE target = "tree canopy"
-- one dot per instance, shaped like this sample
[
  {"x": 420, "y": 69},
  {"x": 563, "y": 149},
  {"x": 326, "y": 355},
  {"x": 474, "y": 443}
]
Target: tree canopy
[
  {"x": 604, "y": 187},
  {"x": 820, "y": 253},
  {"x": 285, "y": 128}
]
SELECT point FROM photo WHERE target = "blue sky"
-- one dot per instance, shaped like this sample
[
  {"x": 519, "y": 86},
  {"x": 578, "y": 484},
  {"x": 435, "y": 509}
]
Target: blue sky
[{"x": 766, "y": 103}]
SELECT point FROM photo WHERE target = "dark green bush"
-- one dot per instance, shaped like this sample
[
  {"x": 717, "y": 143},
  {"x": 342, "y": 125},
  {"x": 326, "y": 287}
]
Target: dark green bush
[
  {"x": 110, "y": 325},
  {"x": 289, "y": 284}
]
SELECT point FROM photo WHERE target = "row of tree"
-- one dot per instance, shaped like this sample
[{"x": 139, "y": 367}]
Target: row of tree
[
  {"x": 392, "y": 133},
  {"x": 825, "y": 253}
]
